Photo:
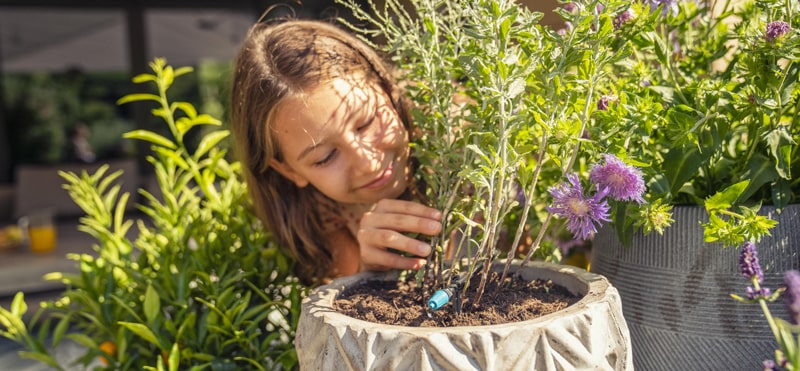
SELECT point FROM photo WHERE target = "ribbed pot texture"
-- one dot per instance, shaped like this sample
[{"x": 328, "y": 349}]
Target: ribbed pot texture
[
  {"x": 676, "y": 289},
  {"x": 590, "y": 334}
]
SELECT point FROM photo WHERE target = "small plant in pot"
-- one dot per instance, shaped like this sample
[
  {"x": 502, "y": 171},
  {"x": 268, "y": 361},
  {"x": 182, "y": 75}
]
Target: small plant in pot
[
  {"x": 503, "y": 108},
  {"x": 711, "y": 88},
  {"x": 201, "y": 286}
]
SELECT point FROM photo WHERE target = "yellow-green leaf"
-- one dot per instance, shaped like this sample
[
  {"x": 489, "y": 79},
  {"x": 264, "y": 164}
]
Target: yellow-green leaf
[
  {"x": 209, "y": 141},
  {"x": 143, "y": 331},
  {"x": 151, "y": 137},
  {"x": 138, "y": 97},
  {"x": 152, "y": 304}
]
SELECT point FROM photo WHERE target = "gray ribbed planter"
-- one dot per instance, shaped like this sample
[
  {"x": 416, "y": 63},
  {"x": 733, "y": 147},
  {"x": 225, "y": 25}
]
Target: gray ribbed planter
[
  {"x": 675, "y": 293},
  {"x": 590, "y": 334}
]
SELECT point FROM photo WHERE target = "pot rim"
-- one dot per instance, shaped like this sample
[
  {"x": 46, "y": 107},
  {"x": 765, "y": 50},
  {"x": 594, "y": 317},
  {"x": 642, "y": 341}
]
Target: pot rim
[{"x": 594, "y": 288}]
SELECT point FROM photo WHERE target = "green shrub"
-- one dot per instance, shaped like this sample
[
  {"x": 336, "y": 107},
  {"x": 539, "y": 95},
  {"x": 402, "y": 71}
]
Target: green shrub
[{"x": 202, "y": 286}]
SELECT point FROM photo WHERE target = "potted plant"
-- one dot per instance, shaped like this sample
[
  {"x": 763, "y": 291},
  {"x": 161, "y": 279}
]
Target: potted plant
[
  {"x": 502, "y": 105},
  {"x": 711, "y": 90},
  {"x": 199, "y": 285}
]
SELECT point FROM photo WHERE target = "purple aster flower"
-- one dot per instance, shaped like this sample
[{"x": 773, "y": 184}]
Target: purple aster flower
[
  {"x": 605, "y": 101},
  {"x": 623, "y": 18},
  {"x": 792, "y": 295},
  {"x": 748, "y": 262},
  {"x": 584, "y": 214},
  {"x": 625, "y": 183},
  {"x": 776, "y": 29}
]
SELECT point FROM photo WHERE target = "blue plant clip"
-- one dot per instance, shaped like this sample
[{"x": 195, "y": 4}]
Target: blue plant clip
[{"x": 440, "y": 298}]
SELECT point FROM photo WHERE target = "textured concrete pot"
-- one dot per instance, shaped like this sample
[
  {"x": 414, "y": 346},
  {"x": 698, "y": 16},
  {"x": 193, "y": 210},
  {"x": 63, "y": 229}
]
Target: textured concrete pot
[
  {"x": 675, "y": 293},
  {"x": 590, "y": 334}
]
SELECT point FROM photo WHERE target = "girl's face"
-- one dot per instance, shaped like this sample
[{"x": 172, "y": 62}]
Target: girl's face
[{"x": 345, "y": 138}]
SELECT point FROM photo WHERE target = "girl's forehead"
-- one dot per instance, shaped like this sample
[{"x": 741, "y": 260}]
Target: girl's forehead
[{"x": 323, "y": 110}]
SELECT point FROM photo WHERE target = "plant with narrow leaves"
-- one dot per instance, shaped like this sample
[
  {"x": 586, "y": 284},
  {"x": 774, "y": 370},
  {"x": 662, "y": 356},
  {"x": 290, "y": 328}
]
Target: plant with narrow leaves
[
  {"x": 201, "y": 286},
  {"x": 503, "y": 104}
]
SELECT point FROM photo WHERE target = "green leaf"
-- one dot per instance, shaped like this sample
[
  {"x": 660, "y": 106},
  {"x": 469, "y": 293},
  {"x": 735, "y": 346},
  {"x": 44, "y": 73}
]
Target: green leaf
[
  {"x": 681, "y": 164},
  {"x": 137, "y": 98},
  {"x": 210, "y": 141},
  {"x": 18, "y": 306},
  {"x": 83, "y": 340},
  {"x": 145, "y": 77},
  {"x": 151, "y": 137},
  {"x": 760, "y": 171},
  {"x": 143, "y": 331},
  {"x": 61, "y": 329},
  {"x": 152, "y": 304},
  {"x": 723, "y": 200},
  {"x": 41, "y": 357},
  {"x": 780, "y": 143}
]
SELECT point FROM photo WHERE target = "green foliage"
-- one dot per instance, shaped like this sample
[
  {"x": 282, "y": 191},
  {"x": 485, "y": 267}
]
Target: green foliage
[
  {"x": 201, "y": 287},
  {"x": 507, "y": 107},
  {"x": 723, "y": 128}
]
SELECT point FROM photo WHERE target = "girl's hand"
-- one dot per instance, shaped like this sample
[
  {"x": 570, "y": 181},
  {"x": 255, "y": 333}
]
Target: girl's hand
[{"x": 383, "y": 227}]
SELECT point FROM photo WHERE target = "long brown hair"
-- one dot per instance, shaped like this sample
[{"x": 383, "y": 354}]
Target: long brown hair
[{"x": 277, "y": 61}]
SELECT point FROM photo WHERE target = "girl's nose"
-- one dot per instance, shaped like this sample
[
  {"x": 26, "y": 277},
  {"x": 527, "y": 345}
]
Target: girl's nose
[{"x": 366, "y": 159}]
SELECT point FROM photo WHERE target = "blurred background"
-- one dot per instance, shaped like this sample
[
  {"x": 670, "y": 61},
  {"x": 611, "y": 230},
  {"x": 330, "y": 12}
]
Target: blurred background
[{"x": 63, "y": 65}]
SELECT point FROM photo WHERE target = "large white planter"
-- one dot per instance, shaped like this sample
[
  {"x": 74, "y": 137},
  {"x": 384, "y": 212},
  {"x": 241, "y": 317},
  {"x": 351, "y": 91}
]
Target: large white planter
[
  {"x": 590, "y": 334},
  {"x": 675, "y": 293}
]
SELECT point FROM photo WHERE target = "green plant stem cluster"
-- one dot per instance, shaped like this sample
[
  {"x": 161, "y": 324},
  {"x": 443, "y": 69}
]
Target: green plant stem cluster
[{"x": 502, "y": 104}]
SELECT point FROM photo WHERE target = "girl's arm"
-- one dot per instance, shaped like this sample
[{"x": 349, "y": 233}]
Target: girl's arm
[{"x": 345, "y": 252}]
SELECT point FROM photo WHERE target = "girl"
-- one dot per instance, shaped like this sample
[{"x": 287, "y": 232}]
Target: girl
[{"x": 323, "y": 134}]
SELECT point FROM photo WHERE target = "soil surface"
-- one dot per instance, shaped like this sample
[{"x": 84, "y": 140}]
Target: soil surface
[{"x": 402, "y": 303}]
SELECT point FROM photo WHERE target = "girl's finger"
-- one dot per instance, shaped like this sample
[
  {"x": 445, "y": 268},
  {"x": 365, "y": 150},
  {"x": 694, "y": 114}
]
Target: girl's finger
[
  {"x": 381, "y": 259},
  {"x": 407, "y": 208},
  {"x": 400, "y": 223},
  {"x": 383, "y": 238}
]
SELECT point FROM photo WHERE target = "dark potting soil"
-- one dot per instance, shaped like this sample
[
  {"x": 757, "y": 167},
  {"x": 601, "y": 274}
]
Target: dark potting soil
[{"x": 402, "y": 303}]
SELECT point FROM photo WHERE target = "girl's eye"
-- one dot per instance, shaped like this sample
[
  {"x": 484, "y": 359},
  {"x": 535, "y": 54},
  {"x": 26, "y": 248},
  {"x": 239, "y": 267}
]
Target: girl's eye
[
  {"x": 366, "y": 124},
  {"x": 328, "y": 158}
]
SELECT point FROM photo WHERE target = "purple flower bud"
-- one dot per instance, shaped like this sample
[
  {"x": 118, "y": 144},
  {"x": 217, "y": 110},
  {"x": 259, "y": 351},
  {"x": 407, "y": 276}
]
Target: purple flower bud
[
  {"x": 769, "y": 365},
  {"x": 623, "y": 18},
  {"x": 520, "y": 195},
  {"x": 570, "y": 7},
  {"x": 762, "y": 293},
  {"x": 791, "y": 297},
  {"x": 605, "y": 101},
  {"x": 776, "y": 29},
  {"x": 748, "y": 262}
]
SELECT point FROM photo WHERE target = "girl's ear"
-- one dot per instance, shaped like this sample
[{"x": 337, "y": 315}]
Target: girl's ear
[{"x": 289, "y": 173}]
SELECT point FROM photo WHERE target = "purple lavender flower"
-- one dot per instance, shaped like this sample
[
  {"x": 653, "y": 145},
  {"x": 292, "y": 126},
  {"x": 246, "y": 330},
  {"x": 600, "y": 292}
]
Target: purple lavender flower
[
  {"x": 584, "y": 214},
  {"x": 623, "y": 18},
  {"x": 791, "y": 297},
  {"x": 748, "y": 262},
  {"x": 762, "y": 293},
  {"x": 605, "y": 101},
  {"x": 625, "y": 183},
  {"x": 776, "y": 29}
]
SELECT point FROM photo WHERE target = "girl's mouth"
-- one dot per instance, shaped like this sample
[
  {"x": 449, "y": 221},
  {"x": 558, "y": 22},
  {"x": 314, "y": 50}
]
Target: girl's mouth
[{"x": 383, "y": 179}]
